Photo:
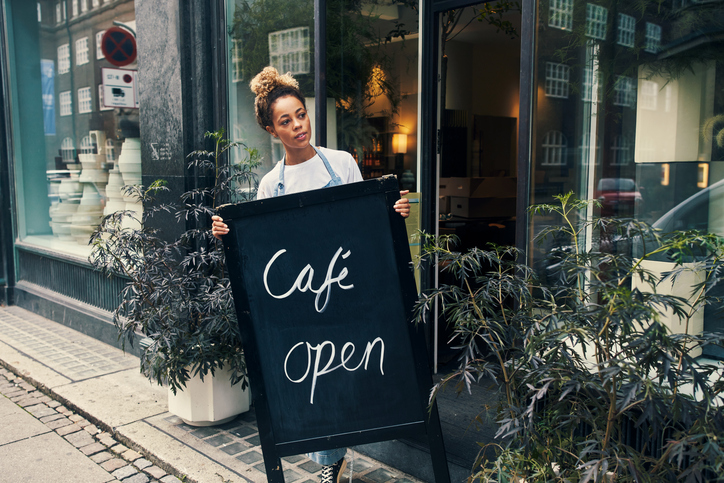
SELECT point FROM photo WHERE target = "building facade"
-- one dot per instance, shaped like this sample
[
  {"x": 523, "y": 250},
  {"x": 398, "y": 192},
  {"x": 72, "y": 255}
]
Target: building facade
[{"x": 480, "y": 109}]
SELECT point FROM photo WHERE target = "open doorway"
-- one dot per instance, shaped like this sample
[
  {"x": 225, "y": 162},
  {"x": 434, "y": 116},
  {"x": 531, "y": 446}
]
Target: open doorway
[{"x": 477, "y": 122}]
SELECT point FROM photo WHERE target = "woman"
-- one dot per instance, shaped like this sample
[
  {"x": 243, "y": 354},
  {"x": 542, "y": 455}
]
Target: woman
[{"x": 280, "y": 109}]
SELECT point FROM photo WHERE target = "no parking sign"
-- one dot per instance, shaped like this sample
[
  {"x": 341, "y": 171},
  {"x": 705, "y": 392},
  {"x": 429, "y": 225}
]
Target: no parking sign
[{"x": 119, "y": 46}]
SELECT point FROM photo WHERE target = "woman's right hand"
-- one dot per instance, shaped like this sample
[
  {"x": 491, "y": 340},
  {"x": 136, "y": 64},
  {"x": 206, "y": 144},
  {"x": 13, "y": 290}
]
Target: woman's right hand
[{"x": 218, "y": 227}]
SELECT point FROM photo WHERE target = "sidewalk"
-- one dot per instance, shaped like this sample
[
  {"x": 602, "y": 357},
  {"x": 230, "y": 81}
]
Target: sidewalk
[{"x": 78, "y": 377}]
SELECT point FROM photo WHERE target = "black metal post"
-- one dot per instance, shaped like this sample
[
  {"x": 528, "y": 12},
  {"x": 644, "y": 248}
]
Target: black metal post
[{"x": 320, "y": 71}]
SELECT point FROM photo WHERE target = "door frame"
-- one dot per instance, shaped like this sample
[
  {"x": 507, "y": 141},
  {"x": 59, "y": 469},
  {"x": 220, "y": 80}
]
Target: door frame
[
  {"x": 429, "y": 137},
  {"x": 428, "y": 126}
]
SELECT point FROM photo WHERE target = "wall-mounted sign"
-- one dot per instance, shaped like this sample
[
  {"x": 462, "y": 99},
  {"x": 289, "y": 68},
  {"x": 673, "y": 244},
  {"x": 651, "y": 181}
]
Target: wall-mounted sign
[
  {"x": 324, "y": 291},
  {"x": 120, "y": 88},
  {"x": 119, "y": 46}
]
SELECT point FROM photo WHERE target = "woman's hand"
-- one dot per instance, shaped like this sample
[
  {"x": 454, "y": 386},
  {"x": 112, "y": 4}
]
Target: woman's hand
[
  {"x": 218, "y": 227},
  {"x": 402, "y": 206}
]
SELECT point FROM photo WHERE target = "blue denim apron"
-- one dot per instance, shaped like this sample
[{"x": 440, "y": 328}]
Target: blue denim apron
[
  {"x": 335, "y": 181},
  {"x": 327, "y": 457}
]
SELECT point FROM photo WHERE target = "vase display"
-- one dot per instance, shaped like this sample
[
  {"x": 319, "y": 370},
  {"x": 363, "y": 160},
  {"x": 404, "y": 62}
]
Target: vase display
[
  {"x": 88, "y": 215},
  {"x": 129, "y": 165}
]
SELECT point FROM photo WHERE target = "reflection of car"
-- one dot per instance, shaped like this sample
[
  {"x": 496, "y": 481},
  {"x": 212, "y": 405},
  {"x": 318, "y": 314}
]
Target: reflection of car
[
  {"x": 618, "y": 196},
  {"x": 694, "y": 212}
]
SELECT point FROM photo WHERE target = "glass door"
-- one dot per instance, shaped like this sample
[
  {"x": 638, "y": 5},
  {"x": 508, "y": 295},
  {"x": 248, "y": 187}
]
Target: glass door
[{"x": 478, "y": 90}]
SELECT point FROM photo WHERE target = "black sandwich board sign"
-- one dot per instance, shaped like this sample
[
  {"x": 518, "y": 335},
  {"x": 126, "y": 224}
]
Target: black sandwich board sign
[{"x": 324, "y": 291}]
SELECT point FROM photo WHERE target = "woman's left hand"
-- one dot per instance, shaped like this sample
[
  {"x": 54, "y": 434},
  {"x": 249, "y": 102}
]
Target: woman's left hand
[{"x": 402, "y": 206}]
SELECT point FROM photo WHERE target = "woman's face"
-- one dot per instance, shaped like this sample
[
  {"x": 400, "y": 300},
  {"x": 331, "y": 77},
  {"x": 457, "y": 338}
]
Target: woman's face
[{"x": 290, "y": 123}]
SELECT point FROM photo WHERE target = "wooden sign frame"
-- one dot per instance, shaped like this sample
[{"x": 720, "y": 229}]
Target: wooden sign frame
[{"x": 385, "y": 402}]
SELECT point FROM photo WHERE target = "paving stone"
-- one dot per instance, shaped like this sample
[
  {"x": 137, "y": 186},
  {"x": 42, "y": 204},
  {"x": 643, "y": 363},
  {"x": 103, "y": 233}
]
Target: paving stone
[
  {"x": 92, "y": 429},
  {"x": 79, "y": 439},
  {"x": 92, "y": 449},
  {"x": 137, "y": 478},
  {"x": 380, "y": 475},
  {"x": 243, "y": 431},
  {"x": 311, "y": 466},
  {"x": 170, "y": 479},
  {"x": 52, "y": 404},
  {"x": 290, "y": 475},
  {"x": 44, "y": 399},
  {"x": 219, "y": 439},
  {"x": 113, "y": 464},
  {"x": 59, "y": 423},
  {"x": 155, "y": 472},
  {"x": 52, "y": 417},
  {"x": 250, "y": 457},
  {"x": 119, "y": 448},
  {"x": 13, "y": 393},
  {"x": 64, "y": 410},
  {"x": 39, "y": 410},
  {"x": 71, "y": 428},
  {"x": 294, "y": 459},
  {"x": 107, "y": 440},
  {"x": 142, "y": 463},
  {"x": 205, "y": 432},
  {"x": 124, "y": 472},
  {"x": 234, "y": 448},
  {"x": 101, "y": 457},
  {"x": 130, "y": 455}
]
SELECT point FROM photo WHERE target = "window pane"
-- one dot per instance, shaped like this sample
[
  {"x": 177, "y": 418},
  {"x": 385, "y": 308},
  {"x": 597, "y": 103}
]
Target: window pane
[
  {"x": 630, "y": 118},
  {"x": 61, "y": 132},
  {"x": 262, "y": 34},
  {"x": 372, "y": 56}
]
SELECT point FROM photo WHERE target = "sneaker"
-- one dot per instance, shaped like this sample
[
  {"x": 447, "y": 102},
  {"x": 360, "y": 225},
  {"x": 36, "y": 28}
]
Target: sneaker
[{"x": 333, "y": 473}]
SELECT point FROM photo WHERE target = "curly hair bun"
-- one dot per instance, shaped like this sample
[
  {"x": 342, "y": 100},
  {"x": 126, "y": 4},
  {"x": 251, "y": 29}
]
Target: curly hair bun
[{"x": 269, "y": 79}]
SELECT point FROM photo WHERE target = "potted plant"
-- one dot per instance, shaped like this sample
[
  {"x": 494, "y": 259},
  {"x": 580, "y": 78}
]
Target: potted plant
[
  {"x": 593, "y": 385},
  {"x": 178, "y": 296}
]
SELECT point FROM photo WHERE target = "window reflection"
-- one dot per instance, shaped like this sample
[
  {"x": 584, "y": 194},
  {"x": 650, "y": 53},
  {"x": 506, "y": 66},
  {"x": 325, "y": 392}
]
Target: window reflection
[
  {"x": 62, "y": 128},
  {"x": 645, "y": 88}
]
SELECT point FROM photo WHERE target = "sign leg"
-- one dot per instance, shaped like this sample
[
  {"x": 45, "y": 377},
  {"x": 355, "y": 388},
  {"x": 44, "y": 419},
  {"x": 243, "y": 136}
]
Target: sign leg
[{"x": 437, "y": 447}]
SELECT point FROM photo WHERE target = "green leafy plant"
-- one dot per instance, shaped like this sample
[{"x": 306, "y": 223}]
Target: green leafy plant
[
  {"x": 178, "y": 294},
  {"x": 593, "y": 385}
]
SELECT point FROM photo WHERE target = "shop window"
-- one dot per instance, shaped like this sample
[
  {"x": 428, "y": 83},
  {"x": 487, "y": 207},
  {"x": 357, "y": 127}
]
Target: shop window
[
  {"x": 81, "y": 51},
  {"x": 554, "y": 149},
  {"x": 99, "y": 45},
  {"x": 237, "y": 74},
  {"x": 67, "y": 150},
  {"x": 626, "y": 30},
  {"x": 596, "y": 19},
  {"x": 624, "y": 92},
  {"x": 86, "y": 146},
  {"x": 65, "y": 102},
  {"x": 289, "y": 50},
  {"x": 653, "y": 38},
  {"x": 64, "y": 59},
  {"x": 557, "y": 80},
  {"x": 591, "y": 84},
  {"x": 84, "y": 100},
  {"x": 649, "y": 95},
  {"x": 621, "y": 151},
  {"x": 52, "y": 112},
  {"x": 560, "y": 14}
]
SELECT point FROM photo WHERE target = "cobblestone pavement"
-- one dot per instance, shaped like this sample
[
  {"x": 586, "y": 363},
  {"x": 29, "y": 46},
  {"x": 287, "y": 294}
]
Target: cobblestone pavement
[
  {"x": 102, "y": 384},
  {"x": 98, "y": 446}
]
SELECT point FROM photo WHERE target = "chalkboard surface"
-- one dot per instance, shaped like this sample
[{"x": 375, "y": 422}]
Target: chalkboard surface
[{"x": 324, "y": 289}]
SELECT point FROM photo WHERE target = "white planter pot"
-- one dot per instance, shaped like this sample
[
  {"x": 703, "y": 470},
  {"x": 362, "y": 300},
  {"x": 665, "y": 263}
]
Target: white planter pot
[{"x": 213, "y": 401}]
